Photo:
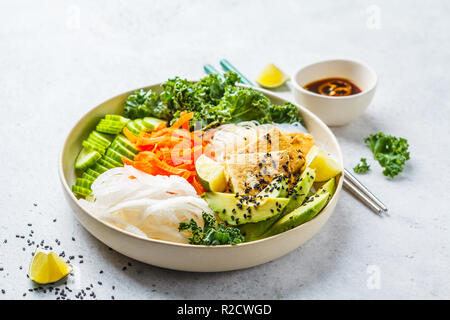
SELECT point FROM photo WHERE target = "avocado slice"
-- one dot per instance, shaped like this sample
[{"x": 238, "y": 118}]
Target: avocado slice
[
  {"x": 300, "y": 190},
  {"x": 329, "y": 186},
  {"x": 278, "y": 188},
  {"x": 235, "y": 209},
  {"x": 304, "y": 213},
  {"x": 254, "y": 231}
]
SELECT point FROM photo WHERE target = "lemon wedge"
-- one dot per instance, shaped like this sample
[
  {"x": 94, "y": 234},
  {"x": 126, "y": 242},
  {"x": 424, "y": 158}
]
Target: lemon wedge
[
  {"x": 211, "y": 174},
  {"x": 271, "y": 77},
  {"x": 326, "y": 168},
  {"x": 48, "y": 268}
]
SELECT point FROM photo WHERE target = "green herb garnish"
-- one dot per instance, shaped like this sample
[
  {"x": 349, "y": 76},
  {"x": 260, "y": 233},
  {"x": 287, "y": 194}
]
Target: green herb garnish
[
  {"x": 213, "y": 233},
  {"x": 362, "y": 166},
  {"x": 391, "y": 152}
]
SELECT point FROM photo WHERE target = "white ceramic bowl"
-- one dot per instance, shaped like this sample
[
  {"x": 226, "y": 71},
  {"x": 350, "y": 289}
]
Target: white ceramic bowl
[
  {"x": 184, "y": 256},
  {"x": 335, "y": 111}
]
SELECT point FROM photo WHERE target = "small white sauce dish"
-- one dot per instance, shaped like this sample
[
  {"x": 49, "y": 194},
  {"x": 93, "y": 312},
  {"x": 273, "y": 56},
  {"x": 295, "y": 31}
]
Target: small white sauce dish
[{"x": 335, "y": 111}]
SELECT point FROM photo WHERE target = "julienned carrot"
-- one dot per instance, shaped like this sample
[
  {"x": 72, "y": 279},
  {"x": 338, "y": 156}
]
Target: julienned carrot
[
  {"x": 197, "y": 186},
  {"x": 130, "y": 136},
  {"x": 185, "y": 117},
  {"x": 126, "y": 161},
  {"x": 161, "y": 126},
  {"x": 171, "y": 150},
  {"x": 141, "y": 140}
]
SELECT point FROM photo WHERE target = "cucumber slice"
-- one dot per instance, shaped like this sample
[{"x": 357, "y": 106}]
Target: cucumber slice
[
  {"x": 114, "y": 125},
  {"x": 93, "y": 137},
  {"x": 86, "y": 158},
  {"x": 95, "y": 143},
  {"x": 81, "y": 191},
  {"x": 84, "y": 183},
  {"x": 93, "y": 140},
  {"x": 112, "y": 161},
  {"x": 139, "y": 124},
  {"x": 122, "y": 150},
  {"x": 111, "y": 123},
  {"x": 99, "y": 168},
  {"x": 152, "y": 123},
  {"x": 126, "y": 143},
  {"x": 133, "y": 128},
  {"x": 87, "y": 176},
  {"x": 94, "y": 146},
  {"x": 109, "y": 126},
  {"x": 106, "y": 137},
  {"x": 116, "y": 117},
  {"x": 92, "y": 173},
  {"x": 106, "y": 164},
  {"x": 106, "y": 129},
  {"x": 116, "y": 156}
]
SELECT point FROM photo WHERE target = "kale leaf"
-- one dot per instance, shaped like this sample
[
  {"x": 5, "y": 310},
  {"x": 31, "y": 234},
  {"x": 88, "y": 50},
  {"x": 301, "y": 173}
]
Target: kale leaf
[
  {"x": 286, "y": 113},
  {"x": 215, "y": 101},
  {"x": 213, "y": 233},
  {"x": 362, "y": 166},
  {"x": 146, "y": 103},
  {"x": 391, "y": 152}
]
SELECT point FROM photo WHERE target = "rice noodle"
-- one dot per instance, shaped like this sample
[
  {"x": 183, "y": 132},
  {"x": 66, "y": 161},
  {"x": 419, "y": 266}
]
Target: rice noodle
[{"x": 146, "y": 205}]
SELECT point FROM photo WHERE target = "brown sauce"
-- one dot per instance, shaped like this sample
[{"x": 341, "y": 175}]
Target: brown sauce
[{"x": 333, "y": 87}]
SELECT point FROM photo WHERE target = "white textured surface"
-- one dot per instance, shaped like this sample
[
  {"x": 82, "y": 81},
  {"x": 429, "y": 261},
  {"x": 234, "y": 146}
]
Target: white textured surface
[{"x": 53, "y": 70}]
